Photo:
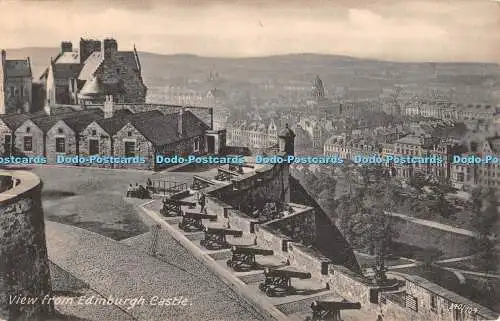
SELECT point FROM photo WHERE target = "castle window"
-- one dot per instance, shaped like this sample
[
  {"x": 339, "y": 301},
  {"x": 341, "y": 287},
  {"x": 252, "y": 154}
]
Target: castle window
[
  {"x": 196, "y": 144},
  {"x": 28, "y": 144},
  {"x": 433, "y": 303},
  {"x": 60, "y": 145},
  {"x": 22, "y": 91},
  {"x": 117, "y": 70}
]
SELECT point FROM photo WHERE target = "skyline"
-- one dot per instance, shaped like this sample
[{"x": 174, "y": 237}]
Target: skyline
[{"x": 422, "y": 30}]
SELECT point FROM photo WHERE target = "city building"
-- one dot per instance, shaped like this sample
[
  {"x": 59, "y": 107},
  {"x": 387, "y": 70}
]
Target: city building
[
  {"x": 254, "y": 135},
  {"x": 486, "y": 175},
  {"x": 16, "y": 81}
]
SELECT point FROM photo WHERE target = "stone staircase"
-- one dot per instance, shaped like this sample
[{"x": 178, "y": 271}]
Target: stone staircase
[{"x": 293, "y": 307}]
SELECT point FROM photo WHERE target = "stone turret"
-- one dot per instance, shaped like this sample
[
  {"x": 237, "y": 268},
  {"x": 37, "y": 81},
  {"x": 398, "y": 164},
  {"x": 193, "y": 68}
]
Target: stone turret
[{"x": 287, "y": 141}]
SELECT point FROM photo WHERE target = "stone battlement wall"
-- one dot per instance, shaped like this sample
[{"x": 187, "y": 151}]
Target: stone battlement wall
[
  {"x": 412, "y": 233},
  {"x": 24, "y": 265},
  {"x": 265, "y": 183},
  {"x": 335, "y": 267},
  {"x": 420, "y": 291}
]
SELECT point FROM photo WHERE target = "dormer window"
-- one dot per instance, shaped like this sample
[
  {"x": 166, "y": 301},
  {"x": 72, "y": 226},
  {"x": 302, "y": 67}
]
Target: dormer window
[
  {"x": 94, "y": 132},
  {"x": 129, "y": 134},
  {"x": 60, "y": 131},
  {"x": 28, "y": 129}
]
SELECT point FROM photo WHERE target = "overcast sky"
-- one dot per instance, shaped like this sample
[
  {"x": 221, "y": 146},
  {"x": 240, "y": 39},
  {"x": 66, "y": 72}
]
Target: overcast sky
[{"x": 440, "y": 30}]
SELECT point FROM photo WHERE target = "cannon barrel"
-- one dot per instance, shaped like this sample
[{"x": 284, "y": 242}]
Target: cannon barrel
[
  {"x": 334, "y": 306},
  {"x": 223, "y": 231},
  {"x": 251, "y": 250},
  {"x": 200, "y": 216},
  {"x": 287, "y": 273}
]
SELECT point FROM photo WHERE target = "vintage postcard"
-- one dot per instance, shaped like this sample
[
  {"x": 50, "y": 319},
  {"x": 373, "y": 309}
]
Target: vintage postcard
[{"x": 220, "y": 160}]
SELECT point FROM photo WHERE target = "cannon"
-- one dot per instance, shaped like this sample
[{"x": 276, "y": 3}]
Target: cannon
[
  {"x": 172, "y": 207},
  {"x": 192, "y": 221},
  {"x": 330, "y": 310},
  {"x": 243, "y": 258},
  {"x": 215, "y": 238},
  {"x": 278, "y": 281}
]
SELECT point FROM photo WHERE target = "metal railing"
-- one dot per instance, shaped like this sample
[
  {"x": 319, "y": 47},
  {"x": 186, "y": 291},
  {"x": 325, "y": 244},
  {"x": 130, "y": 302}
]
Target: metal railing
[{"x": 166, "y": 187}]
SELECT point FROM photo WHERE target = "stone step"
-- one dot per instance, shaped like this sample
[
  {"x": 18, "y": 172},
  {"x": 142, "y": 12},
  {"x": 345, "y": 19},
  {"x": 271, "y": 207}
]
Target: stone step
[
  {"x": 255, "y": 277},
  {"x": 222, "y": 255},
  {"x": 194, "y": 236},
  {"x": 173, "y": 220}
]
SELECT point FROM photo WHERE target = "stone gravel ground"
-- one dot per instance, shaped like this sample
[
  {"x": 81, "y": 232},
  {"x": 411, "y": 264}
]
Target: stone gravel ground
[
  {"x": 92, "y": 199},
  {"x": 114, "y": 268}
]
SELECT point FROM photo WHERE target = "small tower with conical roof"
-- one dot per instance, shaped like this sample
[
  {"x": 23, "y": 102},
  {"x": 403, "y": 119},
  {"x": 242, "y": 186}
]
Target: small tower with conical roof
[{"x": 287, "y": 141}]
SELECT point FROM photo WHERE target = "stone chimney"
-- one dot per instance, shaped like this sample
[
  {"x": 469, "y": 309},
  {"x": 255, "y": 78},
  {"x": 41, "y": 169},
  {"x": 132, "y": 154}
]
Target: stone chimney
[
  {"x": 109, "y": 47},
  {"x": 108, "y": 107},
  {"x": 180, "y": 121},
  {"x": 66, "y": 46}
]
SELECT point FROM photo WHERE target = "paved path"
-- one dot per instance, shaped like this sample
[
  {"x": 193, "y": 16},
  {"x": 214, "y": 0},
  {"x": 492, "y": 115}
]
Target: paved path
[
  {"x": 116, "y": 269},
  {"x": 436, "y": 225}
]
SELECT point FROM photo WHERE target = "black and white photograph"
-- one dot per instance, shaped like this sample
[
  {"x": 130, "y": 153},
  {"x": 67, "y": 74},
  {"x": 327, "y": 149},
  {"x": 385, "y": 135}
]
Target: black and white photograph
[{"x": 250, "y": 160}]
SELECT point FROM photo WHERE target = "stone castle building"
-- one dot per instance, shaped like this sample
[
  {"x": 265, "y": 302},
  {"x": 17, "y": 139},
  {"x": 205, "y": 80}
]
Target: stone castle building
[
  {"x": 96, "y": 70},
  {"x": 111, "y": 129},
  {"x": 15, "y": 85}
]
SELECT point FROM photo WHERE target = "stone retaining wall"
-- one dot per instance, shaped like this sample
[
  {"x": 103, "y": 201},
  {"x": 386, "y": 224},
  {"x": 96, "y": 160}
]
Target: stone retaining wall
[{"x": 24, "y": 264}]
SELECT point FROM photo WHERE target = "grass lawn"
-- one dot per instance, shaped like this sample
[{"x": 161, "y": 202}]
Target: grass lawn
[{"x": 92, "y": 199}]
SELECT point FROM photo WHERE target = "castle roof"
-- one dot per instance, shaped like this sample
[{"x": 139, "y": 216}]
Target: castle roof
[
  {"x": 114, "y": 124},
  {"x": 163, "y": 130},
  {"x": 13, "y": 121},
  {"x": 91, "y": 65},
  {"x": 17, "y": 68},
  {"x": 65, "y": 71},
  {"x": 82, "y": 121},
  {"x": 68, "y": 58},
  {"x": 46, "y": 122},
  {"x": 93, "y": 87}
]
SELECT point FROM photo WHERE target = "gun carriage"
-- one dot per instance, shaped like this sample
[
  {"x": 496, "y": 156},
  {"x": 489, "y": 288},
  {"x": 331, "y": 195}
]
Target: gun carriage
[
  {"x": 278, "y": 282},
  {"x": 215, "y": 238},
  {"x": 243, "y": 258},
  {"x": 172, "y": 207},
  {"x": 192, "y": 221},
  {"x": 330, "y": 310}
]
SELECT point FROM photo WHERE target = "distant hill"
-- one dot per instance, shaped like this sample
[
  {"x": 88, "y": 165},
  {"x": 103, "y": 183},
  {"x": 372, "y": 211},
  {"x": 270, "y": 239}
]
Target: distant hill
[{"x": 160, "y": 71}]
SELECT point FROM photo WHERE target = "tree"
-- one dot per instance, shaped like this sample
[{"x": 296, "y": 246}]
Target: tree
[
  {"x": 486, "y": 257},
  {"x": 326, "y": 200},
  {"x": 441, "y": 204}
]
